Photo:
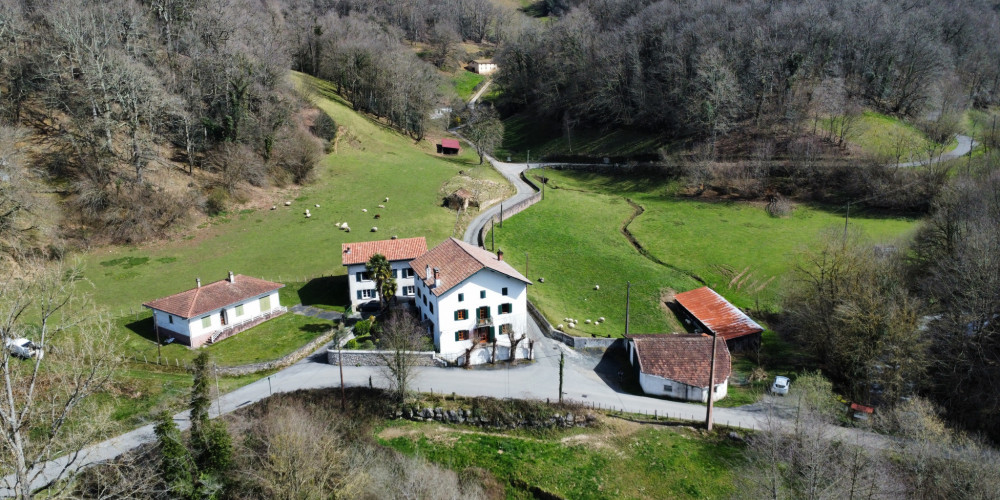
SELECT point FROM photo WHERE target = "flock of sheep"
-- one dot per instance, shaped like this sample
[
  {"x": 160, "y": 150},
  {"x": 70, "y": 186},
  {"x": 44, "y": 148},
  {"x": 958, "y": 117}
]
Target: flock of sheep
[
  {"x": 572, "y": 322},
  {"x": 342, "y": 225}
]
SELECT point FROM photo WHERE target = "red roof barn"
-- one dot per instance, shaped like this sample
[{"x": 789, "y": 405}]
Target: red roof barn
[
  {"x": 449, "y": 147},
  {"x": 712, "y": 313}
]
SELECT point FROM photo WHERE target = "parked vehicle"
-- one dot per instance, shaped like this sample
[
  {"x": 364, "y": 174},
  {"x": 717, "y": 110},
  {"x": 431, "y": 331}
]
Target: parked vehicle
[
  {"x": 780, "y": 385},
  {"x": 24, "y": 348}
]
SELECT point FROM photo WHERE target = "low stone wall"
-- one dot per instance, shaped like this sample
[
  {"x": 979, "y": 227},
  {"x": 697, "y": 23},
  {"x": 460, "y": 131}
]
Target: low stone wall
[
  {"x": 469, "y": 417},
  {"x": 278, "y": 363},
  {"x": 374, "y": 358}
]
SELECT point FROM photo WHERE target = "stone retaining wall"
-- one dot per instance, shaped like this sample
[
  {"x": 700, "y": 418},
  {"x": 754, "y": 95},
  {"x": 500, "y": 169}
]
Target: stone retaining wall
[
  {"x": 574, "y": 342},
  {"x": 469, "y": 417},
  {"x": 374, "y": 358}
]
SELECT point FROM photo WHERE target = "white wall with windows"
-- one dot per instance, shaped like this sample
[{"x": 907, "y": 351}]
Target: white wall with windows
[
  {"x": 362, "y": 287},
  {"x": 486, "y": 306},
  {"x": 660, "y": 386}
]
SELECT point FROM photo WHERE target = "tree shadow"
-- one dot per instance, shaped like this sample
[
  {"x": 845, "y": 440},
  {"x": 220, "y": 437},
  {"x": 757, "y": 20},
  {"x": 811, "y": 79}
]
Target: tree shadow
[
  {"x": 328, "y": 290},
  {"x": 315, "y": 327}
]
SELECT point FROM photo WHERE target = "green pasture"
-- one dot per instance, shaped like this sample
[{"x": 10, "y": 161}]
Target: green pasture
[
  {"x": 464, "y": 83},
  {"x": 648, "y": 462},
  {"x": 573, "y": 240},
  {"x": 524, "y": 132},
  {"x": 887, "y": 136}
]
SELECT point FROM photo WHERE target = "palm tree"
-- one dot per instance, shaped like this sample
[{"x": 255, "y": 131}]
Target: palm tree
[{"x": 380, "y": 271}]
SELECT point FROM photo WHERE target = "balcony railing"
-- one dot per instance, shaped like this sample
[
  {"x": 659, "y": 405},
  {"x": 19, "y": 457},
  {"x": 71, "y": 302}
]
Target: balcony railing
[
  {"x": 235, "y": 328},
  {"x": 487, "y": 321}
]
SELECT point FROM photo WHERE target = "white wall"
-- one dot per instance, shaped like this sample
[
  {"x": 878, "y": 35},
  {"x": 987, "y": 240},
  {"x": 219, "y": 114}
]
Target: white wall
[
  {"x": 398, "y": 266},
  {"x": 656, "y": 386},
  {"x": 444, "y": 307}
]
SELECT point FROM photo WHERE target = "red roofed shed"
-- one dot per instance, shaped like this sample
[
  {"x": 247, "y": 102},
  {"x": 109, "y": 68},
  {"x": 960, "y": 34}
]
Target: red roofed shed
[
  {"x": 449, "y": 147},
  {"x": 712, "y": 313}
]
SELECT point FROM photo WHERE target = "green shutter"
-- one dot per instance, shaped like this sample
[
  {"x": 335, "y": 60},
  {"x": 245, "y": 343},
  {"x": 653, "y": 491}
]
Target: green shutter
[
  {"x": 456, "y": 315},
  {"x": 239, "y": 310},
  {"x": 265, "y": 304},
  {"x": 457, "y": 336},
  {"x": 206, "y": 322},
  {"x": 493, "y": 334},
  {"x": 499, "y": 309}
]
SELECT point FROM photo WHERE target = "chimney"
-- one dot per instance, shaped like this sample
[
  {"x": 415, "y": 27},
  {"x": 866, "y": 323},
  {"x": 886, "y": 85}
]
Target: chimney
[
  {"x": 348, "y": 251},
  {"x": 232, "y": 279},
  {"x": 500, "y": 255},
  {"x": 437, "y": 280},
  {"x": 198, "y": 281},
  {"x": 427, "y": 273}
]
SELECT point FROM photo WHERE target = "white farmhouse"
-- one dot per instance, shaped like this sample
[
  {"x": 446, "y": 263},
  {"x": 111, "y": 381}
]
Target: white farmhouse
[
  {"x": 398, "y": 252},
  {"x": 677, "y": 365},
  {"x": 483, "y": 66},
  {"x": 210, "y": 313},
  {"x": 469, "y": 298}
]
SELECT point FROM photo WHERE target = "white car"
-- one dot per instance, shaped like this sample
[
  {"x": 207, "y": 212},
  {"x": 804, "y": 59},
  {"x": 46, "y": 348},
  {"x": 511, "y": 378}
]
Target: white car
[
  {"x": 24, "y": 348},
  {"x": 780, "y": 385}
]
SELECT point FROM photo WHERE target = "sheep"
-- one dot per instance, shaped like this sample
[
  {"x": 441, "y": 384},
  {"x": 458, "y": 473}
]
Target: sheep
[
  {"x": 347, "y": 229},
  {"x": 559, "y": 326},
  {"x": 288, "y": 203},
  {"x": 393, "y": 237},
  {"x": 566, "y": 320},
  {"x": 308, "y": 215},
  {"x": 381, "y": 206},
  {"x": 307, "y": 212},
  {"x": 374, "y": 229},
  {"x": 386, "y": 200},
  {"x": 274, "y": 207},
  {"x": 365, "y": 210},
  {"x": 571, "y": 325},
  {"x": 541, "y": 280},
  {"x": 601, "y": 319},
  {"x": 587, "y": 321},
  {"x": 597, "y": 287},
  {"x": 317, "y": 205}
]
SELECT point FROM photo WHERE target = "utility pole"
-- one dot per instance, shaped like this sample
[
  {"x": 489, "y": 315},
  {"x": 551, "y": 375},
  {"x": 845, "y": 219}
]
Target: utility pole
[
  {"x": 501, "y": 215},
  {"x": 493, "y": 237},
  {"x": 711, "y": 385},
  {"x": 562, "y": 361},
  {"x": 340, "y": 363},
  {"x": 628, "y": 293}
]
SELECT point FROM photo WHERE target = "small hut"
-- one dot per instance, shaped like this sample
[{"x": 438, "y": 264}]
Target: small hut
[
  {"x": 460, "y": 200},
  {"x": 449, "y": 147}
]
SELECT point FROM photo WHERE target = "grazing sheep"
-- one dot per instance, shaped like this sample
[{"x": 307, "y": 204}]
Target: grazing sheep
[
  {"x": 374, "y": 229},
  {"x": 347, "y": 229},
  {"x": 587, "y": 321},
  {"x": 273, "y": 207},
  {"x": 571, "y": 325},
  {"x": 597, "y": 287},
  {"x": 307, "y": 211},
  {"x": 288, "y": 203},
  {"x": 317, "y": 205},
  {"x": 308, "y": 215},
  {"x": 365, "y": 210},
  {"x": 393, "y": 237},
  {"x": 559, "y": 326},
  {"x": 381, "y": 206},
  {"x": 566, "y": 320},
  {"x": 541, "y": 280},
  {"x": 386, "y": 199},
  {"x": 601, "y": 319}
]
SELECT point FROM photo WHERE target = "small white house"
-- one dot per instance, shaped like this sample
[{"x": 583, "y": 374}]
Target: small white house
[
  {"x": 483, "y": 66},
  {"x": 469, "y": 300},
  {"x": 398, "y": 252},
  {"x": 677, "y": 365},
  {"x": 210, "y": 313}
]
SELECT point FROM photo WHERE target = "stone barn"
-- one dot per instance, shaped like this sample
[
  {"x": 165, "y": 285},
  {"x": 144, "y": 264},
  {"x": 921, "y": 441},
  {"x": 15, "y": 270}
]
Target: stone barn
[{"x": 460, "y": 200}]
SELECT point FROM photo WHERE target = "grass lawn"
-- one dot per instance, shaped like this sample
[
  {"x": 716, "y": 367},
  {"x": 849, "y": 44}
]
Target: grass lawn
[
  {"x": 623, "y": 461},
  {"x": 464, "y": 82},
  {"x": 883, "y": 135},
  {"x": 523, "y": 132}
]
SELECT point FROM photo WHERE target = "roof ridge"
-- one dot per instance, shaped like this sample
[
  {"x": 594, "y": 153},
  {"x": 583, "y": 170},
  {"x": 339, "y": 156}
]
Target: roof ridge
[{"x": 194, "y": 300}]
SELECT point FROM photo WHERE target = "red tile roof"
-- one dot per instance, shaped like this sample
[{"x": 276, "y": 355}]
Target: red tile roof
[
  {"x": 717, "y": 314},
  {"x": 207, "y": 298},
  {"x": 684, "y": 358},
  {"x": 457, "y": 261},
  {"x": 450, "y": 143},
  {"x": 401, "y": 249}
]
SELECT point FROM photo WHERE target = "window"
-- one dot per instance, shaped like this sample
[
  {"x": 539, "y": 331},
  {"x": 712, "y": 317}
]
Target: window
[
  {"x": 506, "y": 329},
  {"x": 408, "y": 291},
  {"x": 362, "y": 276},
  {"x": 505, "y": 308},
  {"x": 206, "y": 322},
  {"x": 483, "y": 313},
  {"x": 461, "y": 314},
  {"x": 461, "y": 335},
  {"x": 265, "y": 304},
  {"x": 239, "y": 310},
  {"x": 366, "y": 294},
  {"x": 503, "y": 291},
  {"x": 395, "y": 274},
  {"x": 418, "y": 292},
  {"x": 668, "y": 388},
  {"x": 461, "y": 297},
  {"x": 425, "y": 300},
  {"x": 170, "y": 318},
  {"x": 431, "y": 307},
  {"x": 482, "y": 294},
  {"x": 407, "y": 273}
]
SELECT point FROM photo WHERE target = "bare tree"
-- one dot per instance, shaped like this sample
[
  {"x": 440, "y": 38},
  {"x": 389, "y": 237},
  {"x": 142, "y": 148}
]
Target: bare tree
[
  {"x": 399, "y": 338},
  {"x": 484, "y": 131},
  {"x": 40, "y": 412}
]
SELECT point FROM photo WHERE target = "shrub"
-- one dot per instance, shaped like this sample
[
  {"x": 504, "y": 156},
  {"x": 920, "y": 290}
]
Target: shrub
[{"x": 324, "y": 127}]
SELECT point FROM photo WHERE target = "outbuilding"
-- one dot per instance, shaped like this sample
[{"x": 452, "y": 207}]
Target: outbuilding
[
  {"x": 210, "y": 313},
  {"x": 460, "y": 200},
  {"x": 483, "y": 66},
  {"x": 677, "y": 365},
  {"x": 449, "y": 147},
  {"x": 709, "y": 312}
]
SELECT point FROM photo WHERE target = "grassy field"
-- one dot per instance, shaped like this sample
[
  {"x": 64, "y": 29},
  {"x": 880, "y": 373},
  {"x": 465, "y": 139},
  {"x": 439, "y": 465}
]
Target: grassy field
[
  {"x": 620, "y": 460},
  {"x": 883, "y": 135},
  {"x": 573, "y": 240},
  {"x": 523, "y": 132},
  {"x": 464, "y": 82}
]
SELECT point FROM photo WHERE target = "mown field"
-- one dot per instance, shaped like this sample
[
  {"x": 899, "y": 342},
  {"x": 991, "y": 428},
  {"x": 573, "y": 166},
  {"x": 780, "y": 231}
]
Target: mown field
[
  {"x": 617, "y": 460},
  {"x": 574, "y": 240},
  {"x": 886, "y": 136},
  {"x": 280, "y": 245}
]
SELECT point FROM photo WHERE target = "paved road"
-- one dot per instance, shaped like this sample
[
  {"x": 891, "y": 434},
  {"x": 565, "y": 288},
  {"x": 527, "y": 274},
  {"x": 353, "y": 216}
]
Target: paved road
[
  {"x": 479, "y": 93},
  {"x": 965, "y": 144},
  {"x": 316, "y": 312}
]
